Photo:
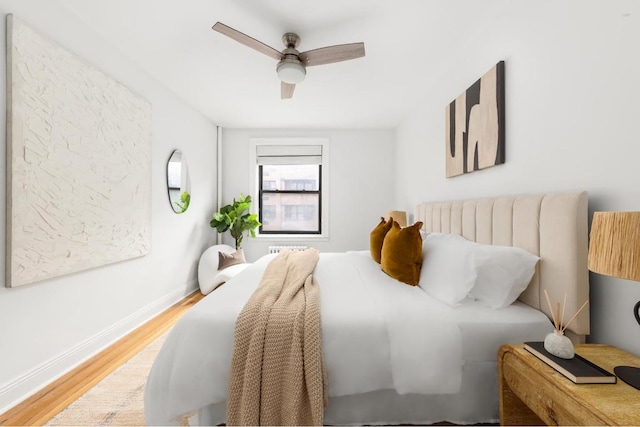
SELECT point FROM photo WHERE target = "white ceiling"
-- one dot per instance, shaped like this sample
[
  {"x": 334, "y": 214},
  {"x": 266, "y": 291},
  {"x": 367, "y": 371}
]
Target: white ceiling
[{"x": 406, "y": 42}]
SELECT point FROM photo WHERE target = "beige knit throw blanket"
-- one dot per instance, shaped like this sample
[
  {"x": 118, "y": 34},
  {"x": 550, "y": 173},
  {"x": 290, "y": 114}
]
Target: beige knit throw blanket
[{"x": 277, "y": 371}]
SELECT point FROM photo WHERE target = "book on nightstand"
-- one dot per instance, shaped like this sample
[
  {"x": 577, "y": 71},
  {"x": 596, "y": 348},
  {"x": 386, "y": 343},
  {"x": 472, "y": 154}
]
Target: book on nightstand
[{"x": 579, "y": 370}]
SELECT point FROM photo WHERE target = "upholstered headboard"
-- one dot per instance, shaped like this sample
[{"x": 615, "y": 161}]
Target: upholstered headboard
[{"x": 552, "y": 226}]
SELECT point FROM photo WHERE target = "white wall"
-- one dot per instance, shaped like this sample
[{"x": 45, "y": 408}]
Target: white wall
[
  {"x": 361, "y": 177},
  {"x": 572, "y": 110},
  {"x": 48, "y": 327}
]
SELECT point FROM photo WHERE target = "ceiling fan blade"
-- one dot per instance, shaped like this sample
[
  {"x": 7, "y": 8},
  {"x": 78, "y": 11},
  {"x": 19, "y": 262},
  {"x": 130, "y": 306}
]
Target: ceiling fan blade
[
  {"x": 286, "y": 90},
  {"x": 247, "y": 40},
  {"x": 331, "y": 54}
]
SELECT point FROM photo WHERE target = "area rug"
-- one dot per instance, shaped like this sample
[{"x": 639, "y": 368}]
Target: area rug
[{"x": 117, "y": 400}]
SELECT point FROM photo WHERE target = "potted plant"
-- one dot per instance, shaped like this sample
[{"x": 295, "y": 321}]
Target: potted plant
[{"x": 237, "y": 219}]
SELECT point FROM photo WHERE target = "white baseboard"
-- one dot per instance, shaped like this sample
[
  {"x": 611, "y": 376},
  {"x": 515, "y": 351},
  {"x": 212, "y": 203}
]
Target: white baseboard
[{"x": 19, "y": 389}]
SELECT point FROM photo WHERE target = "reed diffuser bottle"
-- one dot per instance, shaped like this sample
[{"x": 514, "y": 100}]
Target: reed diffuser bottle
[{"x": 556, "y": 342}]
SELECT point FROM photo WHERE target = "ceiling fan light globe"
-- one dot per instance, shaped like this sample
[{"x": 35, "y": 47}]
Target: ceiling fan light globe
[{"x": 291, "y": 72}]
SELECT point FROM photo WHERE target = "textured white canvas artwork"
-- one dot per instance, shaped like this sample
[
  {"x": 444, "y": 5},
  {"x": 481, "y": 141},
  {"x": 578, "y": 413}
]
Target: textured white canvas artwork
[{"x": 78, "y": 163}]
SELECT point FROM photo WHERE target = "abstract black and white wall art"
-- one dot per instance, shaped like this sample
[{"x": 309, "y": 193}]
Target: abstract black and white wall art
[
  {"x": 78, "y": 163},
  {"x": 474, "y": 125}
]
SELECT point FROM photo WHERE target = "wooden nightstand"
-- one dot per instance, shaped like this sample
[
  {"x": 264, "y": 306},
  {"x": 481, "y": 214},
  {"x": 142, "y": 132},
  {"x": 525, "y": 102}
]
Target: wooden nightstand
[{"x": 533, "y": 393}]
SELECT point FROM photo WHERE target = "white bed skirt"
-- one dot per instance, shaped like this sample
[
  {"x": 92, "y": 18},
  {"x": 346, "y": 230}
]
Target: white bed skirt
[{"x": 477, "y": 402}]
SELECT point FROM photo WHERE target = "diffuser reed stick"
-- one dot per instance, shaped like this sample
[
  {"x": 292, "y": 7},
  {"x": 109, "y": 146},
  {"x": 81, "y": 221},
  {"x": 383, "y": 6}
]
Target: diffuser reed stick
[
  {"x": 564, "y": 304},
  {"x": 553, "y": 316},
  {"x": 574, "y": 316},
  {"x": 558, "y": 316}
]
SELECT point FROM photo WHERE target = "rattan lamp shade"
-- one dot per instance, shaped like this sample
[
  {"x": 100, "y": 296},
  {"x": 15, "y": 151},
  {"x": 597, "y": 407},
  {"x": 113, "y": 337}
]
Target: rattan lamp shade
[
  {"x": 614, "y": 248},
  {"x": 398, "y": 216}
]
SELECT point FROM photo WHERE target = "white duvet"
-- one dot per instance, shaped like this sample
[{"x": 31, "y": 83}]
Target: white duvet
[{"x": 377, "y": 334}]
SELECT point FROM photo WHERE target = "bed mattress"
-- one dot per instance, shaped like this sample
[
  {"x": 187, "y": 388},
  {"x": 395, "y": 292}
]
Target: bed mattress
[
  {"x": 376, "y": 366},
  {"x": 483, "y": 331}
]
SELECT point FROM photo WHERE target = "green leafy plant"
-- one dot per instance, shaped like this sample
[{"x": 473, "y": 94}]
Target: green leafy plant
[
  {"x": 183, "y": 204},
  {"x": 237, "y": 219}
]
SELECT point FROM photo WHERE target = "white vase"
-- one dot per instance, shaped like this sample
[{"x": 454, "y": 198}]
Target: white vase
[{"x": 559, "y": 345}]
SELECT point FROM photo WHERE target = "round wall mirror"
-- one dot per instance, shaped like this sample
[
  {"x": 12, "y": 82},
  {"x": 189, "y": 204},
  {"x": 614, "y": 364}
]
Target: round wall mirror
[{"x": 178, "y": 182}]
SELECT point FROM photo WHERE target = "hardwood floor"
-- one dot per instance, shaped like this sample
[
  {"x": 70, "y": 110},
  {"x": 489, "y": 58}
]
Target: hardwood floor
[{"x": 48, "y": 402}]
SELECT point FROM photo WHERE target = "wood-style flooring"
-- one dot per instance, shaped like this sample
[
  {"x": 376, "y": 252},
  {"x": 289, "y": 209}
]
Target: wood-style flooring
[{"x": 51, "y": 400}]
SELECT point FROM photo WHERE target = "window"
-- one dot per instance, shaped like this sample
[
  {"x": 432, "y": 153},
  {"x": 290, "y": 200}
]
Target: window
[
  {"x": 293, "y": 206},
  {"x": 289, "y": 189}
]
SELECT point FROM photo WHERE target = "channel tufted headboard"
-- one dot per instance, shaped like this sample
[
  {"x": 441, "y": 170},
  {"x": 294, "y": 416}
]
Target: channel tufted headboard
[{"x": 552, "y": 226}]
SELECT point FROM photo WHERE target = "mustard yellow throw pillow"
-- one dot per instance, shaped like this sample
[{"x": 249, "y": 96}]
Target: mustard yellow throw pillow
[
  {"x": 376, "y": 238},
  {"x": 402, "y": 253}
]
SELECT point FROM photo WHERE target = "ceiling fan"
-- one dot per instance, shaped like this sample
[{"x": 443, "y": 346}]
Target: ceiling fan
[{"x": 292, "y": 64}]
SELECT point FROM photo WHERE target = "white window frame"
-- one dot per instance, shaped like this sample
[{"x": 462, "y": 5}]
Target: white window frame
[{"x": 254, "y": 182}]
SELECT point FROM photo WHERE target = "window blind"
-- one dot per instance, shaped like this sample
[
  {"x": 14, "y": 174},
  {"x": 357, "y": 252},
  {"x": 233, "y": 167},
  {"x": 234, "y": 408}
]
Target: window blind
[{"x": 289, "y": 154}]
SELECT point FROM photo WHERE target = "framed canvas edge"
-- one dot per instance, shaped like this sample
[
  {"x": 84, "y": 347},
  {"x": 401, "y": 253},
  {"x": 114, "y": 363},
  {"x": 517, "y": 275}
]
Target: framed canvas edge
[
  {"x": 502, "y": 109},
  {"x": 9, "y": 152}
]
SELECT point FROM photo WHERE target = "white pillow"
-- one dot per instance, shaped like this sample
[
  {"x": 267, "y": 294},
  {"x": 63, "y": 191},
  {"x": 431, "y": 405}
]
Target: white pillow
[
  {"x": 503, "y": 272},
  {"x": 454, "y": 268},
  {"x": 447, "y": 273}
]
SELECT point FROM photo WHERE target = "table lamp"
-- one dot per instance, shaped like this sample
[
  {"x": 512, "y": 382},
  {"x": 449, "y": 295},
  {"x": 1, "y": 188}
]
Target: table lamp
[
  {"x": 398, "y": 216},
  {"x": 614, "y": 250}
]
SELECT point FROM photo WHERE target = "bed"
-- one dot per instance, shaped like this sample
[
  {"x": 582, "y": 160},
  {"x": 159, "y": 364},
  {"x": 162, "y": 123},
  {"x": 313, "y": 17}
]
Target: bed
[{"x": 393, "y": 353}]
